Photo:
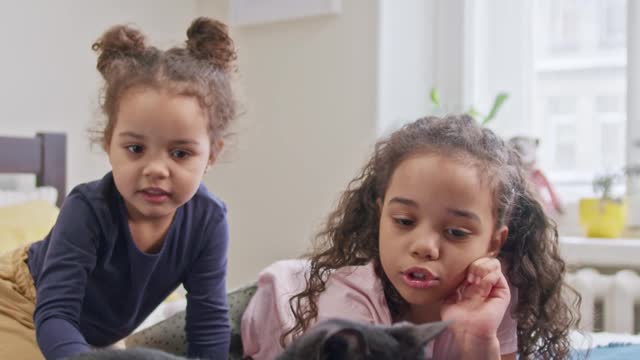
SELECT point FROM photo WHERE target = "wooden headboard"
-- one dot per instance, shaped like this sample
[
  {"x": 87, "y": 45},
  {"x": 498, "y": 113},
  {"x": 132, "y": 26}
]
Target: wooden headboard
[{"x": 44, "y": 155}]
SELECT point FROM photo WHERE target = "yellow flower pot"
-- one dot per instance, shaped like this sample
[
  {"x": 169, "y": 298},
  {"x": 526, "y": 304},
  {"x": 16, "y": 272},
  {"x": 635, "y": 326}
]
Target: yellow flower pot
[{"x": 602, "y": 218}]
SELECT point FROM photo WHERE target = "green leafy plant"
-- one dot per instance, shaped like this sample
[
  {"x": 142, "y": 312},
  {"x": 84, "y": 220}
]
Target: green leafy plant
[
  {"x": 482, "y": 118},
  {"x": 603, "y": 184}
]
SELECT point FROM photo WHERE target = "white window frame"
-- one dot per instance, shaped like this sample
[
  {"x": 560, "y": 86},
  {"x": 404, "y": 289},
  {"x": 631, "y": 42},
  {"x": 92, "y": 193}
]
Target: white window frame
[
  {"x": 633, "y": 106},
  {"x": 503, "y": 52}
]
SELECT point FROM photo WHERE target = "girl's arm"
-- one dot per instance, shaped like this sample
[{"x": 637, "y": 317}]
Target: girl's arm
[
  {"x": 477, "y": 348},
  {"x": 208, "y": 329},
  {"x": 352, "y": 293},
  {"x": 70, "y": 258}
]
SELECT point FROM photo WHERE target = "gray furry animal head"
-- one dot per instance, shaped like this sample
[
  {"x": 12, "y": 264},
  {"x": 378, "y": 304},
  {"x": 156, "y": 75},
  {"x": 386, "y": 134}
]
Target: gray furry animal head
[{"x": 338, "y": 339}]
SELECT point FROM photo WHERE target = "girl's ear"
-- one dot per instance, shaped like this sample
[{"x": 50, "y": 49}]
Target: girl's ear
[
  {"x": 216, "y": 148},
  {"x": 498, "y": 239}
]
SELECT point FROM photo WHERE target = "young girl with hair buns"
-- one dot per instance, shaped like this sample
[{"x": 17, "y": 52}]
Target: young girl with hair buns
[{"x": 123, "y": 243}]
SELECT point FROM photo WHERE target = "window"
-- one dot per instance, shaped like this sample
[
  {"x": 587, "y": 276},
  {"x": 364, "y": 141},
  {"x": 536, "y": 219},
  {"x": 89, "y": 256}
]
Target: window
[
  {"x": 564, "y": 26},
  {"x": 562, "y": 62},
  {"x": 612, "y": 24},
  {"x": 580, "y": 87}
]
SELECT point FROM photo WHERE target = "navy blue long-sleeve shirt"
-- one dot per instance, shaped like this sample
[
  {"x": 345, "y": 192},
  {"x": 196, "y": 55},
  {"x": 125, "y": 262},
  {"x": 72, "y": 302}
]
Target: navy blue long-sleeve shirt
[{"x": 94, "y": 286}]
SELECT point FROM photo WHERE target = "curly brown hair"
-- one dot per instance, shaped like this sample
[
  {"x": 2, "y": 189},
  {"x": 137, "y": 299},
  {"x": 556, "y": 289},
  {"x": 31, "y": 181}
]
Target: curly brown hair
[
  {"x": 202, "y": 69},
  {"x": 350, "y": 237}
]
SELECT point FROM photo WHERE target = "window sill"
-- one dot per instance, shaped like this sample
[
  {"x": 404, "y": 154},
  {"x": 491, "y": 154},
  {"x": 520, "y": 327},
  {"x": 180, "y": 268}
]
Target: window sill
[{"x": 615, "y": 253}]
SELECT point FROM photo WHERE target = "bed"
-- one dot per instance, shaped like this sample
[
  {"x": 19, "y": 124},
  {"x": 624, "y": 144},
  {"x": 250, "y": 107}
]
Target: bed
[
  {"x": 44, "y": 155},
  {"x": 27, "y": 215}
]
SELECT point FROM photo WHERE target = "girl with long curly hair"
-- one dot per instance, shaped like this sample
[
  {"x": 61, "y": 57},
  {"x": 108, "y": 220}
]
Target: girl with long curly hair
[{"x": 441, "y": 224}]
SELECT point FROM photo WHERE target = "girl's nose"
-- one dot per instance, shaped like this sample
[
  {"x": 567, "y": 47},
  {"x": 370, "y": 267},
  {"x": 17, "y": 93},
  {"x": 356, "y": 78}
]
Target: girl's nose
[
  {"x": 156, "y": 169},
  {"x": 425, "y": 248}
]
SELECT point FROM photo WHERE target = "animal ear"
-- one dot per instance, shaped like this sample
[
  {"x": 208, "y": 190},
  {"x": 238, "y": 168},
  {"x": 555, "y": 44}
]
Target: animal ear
[
  {"x": 418, "y": 334},
  {"x": 344, "y": 344}
]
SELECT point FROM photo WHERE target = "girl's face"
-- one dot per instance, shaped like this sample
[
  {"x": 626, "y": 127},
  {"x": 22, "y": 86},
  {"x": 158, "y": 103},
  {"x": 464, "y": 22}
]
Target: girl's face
[
  {"x": 159, "y": 151},
  {"x": 436, "y": 219}
]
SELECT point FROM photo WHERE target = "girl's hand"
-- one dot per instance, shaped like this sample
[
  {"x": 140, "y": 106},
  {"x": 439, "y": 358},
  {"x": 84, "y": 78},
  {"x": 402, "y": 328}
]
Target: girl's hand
[{"x": 476, "y": 309}]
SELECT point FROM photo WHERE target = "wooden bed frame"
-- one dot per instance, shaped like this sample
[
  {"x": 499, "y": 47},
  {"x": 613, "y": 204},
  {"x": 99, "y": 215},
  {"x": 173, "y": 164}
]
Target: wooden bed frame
[{"x": 44, "y": 155}]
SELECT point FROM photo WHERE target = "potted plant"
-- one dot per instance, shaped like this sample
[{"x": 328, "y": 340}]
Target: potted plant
[
  {"x": 499, "y": 100},
  {"x": 605, "y": 215}
]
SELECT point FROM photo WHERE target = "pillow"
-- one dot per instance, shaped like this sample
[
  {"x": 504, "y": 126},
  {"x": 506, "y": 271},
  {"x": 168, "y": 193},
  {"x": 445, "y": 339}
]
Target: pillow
[
  {"x": 26, "y": 222},
  {"x": 169, "y": 335},
  {"x": 614, "y": 351},
  {"x": 10, "y": 197}
]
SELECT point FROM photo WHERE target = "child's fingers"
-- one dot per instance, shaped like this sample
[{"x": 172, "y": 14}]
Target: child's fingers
[
  {"x": 481, "y": 287},
  {"x": 492, "y": 282},
  {"x": 495, "y": 285},
  {"x": 500, "y": 287},
  {"x": 480, "y": 268},
  {"x": 486, "y": 284}
]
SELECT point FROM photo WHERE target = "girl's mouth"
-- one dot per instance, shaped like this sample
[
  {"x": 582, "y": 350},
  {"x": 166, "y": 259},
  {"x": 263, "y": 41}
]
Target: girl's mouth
[
  {"x": 154, "y": 195},
  {"x": 419, "y": 278}
]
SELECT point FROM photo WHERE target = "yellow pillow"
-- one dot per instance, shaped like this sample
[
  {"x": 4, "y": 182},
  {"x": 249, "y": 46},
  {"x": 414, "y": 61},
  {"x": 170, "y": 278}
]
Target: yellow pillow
[{"x": 25, "y": 222}]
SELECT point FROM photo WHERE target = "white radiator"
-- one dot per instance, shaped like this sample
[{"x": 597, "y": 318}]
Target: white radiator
[{"x": 618, "y": 294}]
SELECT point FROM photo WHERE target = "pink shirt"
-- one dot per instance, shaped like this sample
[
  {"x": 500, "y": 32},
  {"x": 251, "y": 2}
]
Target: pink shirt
[{"x": 353, "y": 292}]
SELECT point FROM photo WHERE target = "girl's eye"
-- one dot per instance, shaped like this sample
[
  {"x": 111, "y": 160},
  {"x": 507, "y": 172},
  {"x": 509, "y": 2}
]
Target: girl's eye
[
  {"x": 136, "y": 149},
  {"x": 179, "y": 154},
  {"x": 404, "y": 221},
  {"x": 457, "y": 233}
]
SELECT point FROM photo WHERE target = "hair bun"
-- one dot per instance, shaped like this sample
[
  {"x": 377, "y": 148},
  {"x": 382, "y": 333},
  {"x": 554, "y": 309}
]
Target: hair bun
[
  {"x": 209, "y": 40},
  {"x": 118, "y": 42}
]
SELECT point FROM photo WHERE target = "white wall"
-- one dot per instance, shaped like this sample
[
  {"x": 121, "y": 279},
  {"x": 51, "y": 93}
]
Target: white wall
[
  {"x": 309, "y": 93},
  {"x": 49, "y": 81},
  {"x": 310, "y": 99},
  {"x": 406, "y": 66}
]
